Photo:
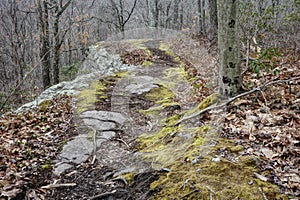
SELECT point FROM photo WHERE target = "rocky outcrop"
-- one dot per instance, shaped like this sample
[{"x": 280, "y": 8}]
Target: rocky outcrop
[{"x": 99, "y": 63}]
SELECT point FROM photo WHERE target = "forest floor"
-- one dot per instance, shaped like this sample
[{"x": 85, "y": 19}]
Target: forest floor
[{"x": 248, "y": 149}]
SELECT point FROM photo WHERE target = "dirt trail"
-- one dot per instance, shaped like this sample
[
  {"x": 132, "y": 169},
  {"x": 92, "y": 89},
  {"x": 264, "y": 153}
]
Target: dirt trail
[
  {"x": 129, "y": 147},
  {"x": 117, "y": 158}
]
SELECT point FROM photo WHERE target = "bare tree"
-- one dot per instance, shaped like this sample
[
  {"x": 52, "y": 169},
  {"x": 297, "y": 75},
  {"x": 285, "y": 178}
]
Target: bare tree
[
  {"x": 45, "y": 49},
  {"x": 59, "y": 36},
  {"x": 155, "y": 10},
  {"x": 176, "y": 14},
  {"x": 201, "y": 16},
  {"x": 213, "y": 19},
  {"x": 118, "y": 13}
]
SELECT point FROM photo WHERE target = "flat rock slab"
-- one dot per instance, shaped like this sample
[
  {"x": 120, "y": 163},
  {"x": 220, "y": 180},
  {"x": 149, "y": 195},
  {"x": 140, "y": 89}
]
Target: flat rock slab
[
  {"x": 75, "y": 151},
  {"x": 104, "y": 116},
  {"x": 141, "y": 84},
  {"x": 99, "y": 125},
  {"x": 81, "y": 147}
]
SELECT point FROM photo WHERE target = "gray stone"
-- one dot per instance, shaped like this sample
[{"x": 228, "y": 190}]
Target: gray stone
[
  {"x": 100, "y": 60},
  {"x": 60, "y": 168},
  {"x": 77, "y": 150},
  {"x": 99, "y": 125},
  {"x": 104, "y": 116},
  {"x": 98, "y": 64},
  {"x": 108, "y": 135},
  {"x": 141, "y": 84}
]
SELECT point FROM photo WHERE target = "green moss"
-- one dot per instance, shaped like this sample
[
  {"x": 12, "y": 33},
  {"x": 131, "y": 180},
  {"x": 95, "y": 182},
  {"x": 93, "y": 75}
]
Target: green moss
[
  {"x": 88, "y": 97},
  {"x": 151, "y": 111},
  {"x": 236, "y": 149},
  {"x": 199, "y": 141},
  {"x": 252, "y": 161},
  {"x": 208, "y": 101},
  {"x": 160, "y": 95},
  {"x": 191, "y": 111},
  {"x": 170, "y": 121},
  {"x": 150, "y": 142},
  {"x": 177, "y": 59},
  {"x": 170, "y": 143},
  {"x": 129, "y": 177},
  {"x": 272, "y": 191},
  {"x": 120, "y": 74},
  {"x": 90, "y": 134},
  {"x": 46, "y": 166},
  {"x": 98, "y": 46},
  {"x": 221, "y": 180},
  {"x": 193, "y": 174},
  {"x": 140, "y": 44},
  {"x": 161, "y": 107},
  {"x": 103, "y": 97},
  {"x": 45, "y": 105},
  {"x": 147, "y": 63},
  {"x": 166, "y": 48},
  {"x": 173, "y": 77}
]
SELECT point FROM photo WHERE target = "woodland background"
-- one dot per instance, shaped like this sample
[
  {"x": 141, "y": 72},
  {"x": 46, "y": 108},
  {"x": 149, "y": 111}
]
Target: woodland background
[{"x": 43, "y": 42}]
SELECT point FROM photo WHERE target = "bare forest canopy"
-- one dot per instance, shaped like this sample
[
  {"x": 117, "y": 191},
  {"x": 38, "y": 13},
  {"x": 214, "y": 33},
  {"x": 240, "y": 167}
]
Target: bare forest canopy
[{"x": 42, "y": 42}]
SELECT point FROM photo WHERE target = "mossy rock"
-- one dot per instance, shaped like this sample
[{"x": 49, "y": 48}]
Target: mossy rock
[
  {"x": 160, "y": 95},
  {"x": 89, "y": 97}
]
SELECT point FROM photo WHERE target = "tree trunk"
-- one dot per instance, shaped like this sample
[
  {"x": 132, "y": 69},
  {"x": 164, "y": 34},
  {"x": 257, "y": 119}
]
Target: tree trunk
[
  {"x": 203, "y": 17},
  {"x": 181, "y": 17},
  {"x": 229, "y": 52},
  {"x": 213, "y": 20},
  {"x": 155, "y": 14},
  {"x": 200, "y": 19},
  {"x": 176, "y": 10},
  {"x": 43, "y": 12},
  {"x": 56, "y": 47}
]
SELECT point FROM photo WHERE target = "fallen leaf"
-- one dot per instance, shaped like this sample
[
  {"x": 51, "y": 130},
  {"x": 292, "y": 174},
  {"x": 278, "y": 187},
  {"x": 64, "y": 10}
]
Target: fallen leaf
[
  {"x": 11, "y": 193},
  {"x": 268, "y": 153}
]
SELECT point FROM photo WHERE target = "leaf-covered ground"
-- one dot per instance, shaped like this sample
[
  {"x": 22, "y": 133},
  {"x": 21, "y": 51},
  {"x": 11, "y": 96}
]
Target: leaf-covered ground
[
  {"x": 267, "y": 123},
  {"x": 28, "y": 143}
]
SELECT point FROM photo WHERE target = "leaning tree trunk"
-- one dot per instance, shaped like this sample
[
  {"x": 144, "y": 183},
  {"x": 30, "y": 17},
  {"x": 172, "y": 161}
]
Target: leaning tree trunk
[{"x": 229, "y": 52}]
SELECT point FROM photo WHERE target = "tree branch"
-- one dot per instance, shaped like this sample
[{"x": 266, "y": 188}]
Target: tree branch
[{"x": 132, "y": 9}]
